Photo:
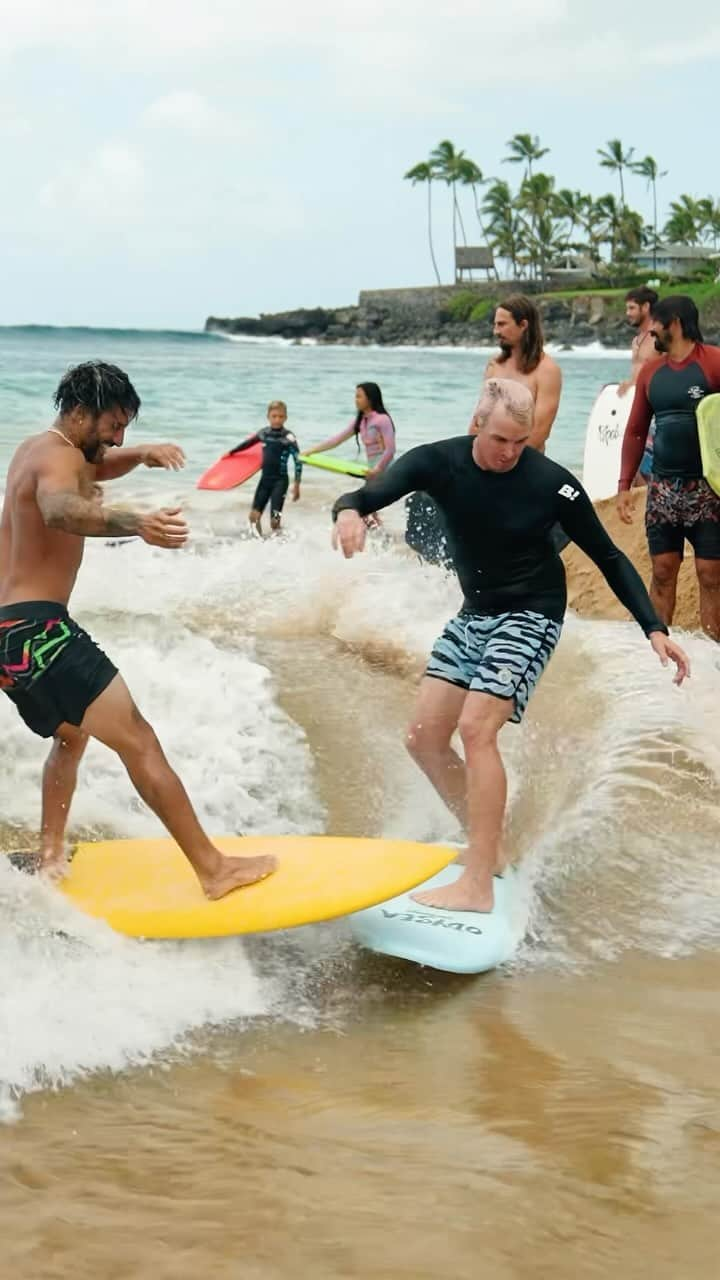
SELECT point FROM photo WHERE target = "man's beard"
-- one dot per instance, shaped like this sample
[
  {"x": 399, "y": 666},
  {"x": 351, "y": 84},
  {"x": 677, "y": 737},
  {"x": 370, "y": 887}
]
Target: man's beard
[
  {"x": 92, "y": 451},
  {"x": 505, "y": 346},
  {"x": 661, "y": 344}
]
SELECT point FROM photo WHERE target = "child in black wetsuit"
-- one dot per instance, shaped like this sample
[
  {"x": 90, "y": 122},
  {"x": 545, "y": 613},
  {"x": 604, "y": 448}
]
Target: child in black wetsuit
[{"x": 279, "y": 445}]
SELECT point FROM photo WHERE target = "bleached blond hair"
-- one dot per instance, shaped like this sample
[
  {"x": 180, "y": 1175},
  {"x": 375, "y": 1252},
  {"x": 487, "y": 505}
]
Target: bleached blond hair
[{"x": 515, "y": 398}]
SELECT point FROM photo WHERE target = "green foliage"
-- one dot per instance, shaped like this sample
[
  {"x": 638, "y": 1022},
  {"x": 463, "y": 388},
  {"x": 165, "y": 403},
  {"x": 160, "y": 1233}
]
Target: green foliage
[
  {"x": 467, "y": 307},
  {"x": 524, "y": 149},
  {"x": 482, "y": 310},
  {"x": 421, "y": 172},
  {"x": 705, "y": 295},
  {"x": 703, "y": 275},
  {"x": 702, "y": 294},
  {"x": 613, "y": 157},
  {"x": 461, "y": 306},
  {"x": 538, "y": 226}
]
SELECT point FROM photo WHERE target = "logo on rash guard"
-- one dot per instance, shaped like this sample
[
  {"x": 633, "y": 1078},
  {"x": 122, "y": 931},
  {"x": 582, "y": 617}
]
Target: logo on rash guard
[
  {"x": 567, "y": 491},
  {"x": 696, "y": 393}
]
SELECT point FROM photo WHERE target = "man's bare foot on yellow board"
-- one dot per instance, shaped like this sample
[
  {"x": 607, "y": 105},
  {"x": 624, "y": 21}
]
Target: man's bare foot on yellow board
[{"x": 237, "y": 873}]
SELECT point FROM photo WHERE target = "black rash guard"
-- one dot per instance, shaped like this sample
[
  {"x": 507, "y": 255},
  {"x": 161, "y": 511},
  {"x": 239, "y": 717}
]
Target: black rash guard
[
  {"x": 672, "y": 391},
  {"x": 500, "y": 525}
]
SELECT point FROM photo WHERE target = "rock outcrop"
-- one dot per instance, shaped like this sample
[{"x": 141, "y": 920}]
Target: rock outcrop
[{"x": 445, "y": 316}]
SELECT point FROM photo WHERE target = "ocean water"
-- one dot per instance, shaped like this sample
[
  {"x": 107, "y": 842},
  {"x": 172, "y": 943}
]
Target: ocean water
[
  {"x": 279, "y": 678},
  {"x": 206, "y": 391}
]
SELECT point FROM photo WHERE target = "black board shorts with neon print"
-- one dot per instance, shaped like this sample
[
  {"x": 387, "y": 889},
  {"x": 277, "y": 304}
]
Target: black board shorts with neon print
[{"x": 49, "y": 667}]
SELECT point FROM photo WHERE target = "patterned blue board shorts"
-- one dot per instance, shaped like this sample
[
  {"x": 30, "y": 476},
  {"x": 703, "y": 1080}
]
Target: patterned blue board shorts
[{"x": 504, "y": 655}]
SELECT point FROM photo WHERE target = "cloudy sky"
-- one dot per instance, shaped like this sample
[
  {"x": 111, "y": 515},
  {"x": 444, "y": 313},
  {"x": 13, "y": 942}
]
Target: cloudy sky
[{"x": 164, "y": 160}]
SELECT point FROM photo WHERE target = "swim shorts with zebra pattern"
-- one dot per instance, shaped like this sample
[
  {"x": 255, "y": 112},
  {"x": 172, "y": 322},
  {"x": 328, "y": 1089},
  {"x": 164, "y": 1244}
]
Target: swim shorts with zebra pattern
[{"x": 503, "y": 655}]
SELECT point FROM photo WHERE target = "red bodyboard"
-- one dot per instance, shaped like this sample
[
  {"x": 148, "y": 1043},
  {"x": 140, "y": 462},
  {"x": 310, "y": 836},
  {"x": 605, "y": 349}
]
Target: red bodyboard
[{"x": 232, "y": 469}]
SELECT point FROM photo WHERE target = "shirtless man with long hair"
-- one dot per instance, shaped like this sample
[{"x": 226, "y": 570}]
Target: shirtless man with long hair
[{"x": 522, "y": 358}]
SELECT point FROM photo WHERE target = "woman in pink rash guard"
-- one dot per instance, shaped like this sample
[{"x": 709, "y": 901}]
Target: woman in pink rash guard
[{"x": 372, "y": 424}]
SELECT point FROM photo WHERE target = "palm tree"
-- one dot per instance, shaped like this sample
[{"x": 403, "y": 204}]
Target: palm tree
[
  {"x": 524, "y": 149},
  {"x": 536, "y": 197},
  {"x": 591, "y": 223},
  {"x": 470, "y": 175},
  {"x": 629, "y": 234},
  {"x": 537, "y": 194},
  {"x": 607, "y": 217},
  {"x": 683, "y": 225},
  {"x": 706, "y": 210},
  {"x": 446, "y": 164},
  {"x": 613, "y": 157},
  {"x": 714, "y": 224},
  {"x": 423, "y": 173},
  {"x": 545, "y": 241},
  {"x": 542, "y": 242},
  {"x": 569, "y": 206},
  {"x": 503, "y": 223},
  {"x": 648, "y": 169}
]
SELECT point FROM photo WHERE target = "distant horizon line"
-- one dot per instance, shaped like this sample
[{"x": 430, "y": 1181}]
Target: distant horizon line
[{"x": 108, "y": 328}]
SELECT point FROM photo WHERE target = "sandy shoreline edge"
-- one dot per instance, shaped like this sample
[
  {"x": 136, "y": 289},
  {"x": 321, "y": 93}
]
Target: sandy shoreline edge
[{"x": 588, "y": 593}]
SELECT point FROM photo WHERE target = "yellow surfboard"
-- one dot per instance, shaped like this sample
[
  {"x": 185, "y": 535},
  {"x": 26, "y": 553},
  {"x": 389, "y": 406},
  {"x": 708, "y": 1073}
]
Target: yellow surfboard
[
  {"x": 147, "y": 889},
  {"x": 708, "y": 421}
]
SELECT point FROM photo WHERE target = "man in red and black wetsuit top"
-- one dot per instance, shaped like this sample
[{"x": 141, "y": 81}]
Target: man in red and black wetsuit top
[{"x": 680, "y": 502}]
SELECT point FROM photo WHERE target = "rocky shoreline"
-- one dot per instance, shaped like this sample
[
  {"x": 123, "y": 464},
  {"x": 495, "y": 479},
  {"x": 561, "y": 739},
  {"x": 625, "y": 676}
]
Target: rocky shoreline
[
  {"x": 439, "y": 317},
  {"x": 429, "y": 317}
]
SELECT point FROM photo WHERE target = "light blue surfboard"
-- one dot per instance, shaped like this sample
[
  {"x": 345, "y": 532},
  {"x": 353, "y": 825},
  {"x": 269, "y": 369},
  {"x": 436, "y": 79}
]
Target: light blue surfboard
[{"x": 454, "y": 941}]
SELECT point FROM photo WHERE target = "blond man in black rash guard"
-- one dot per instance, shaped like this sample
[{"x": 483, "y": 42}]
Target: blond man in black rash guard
[{"x": 500, "y": 501}]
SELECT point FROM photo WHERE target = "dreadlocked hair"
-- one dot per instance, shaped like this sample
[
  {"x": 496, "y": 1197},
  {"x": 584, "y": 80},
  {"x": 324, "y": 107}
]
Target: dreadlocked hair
[{"x": 96, "y": 386}]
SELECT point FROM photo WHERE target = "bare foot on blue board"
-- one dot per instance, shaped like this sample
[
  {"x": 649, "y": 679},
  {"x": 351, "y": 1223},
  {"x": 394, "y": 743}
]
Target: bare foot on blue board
[
  {"x": 469, "y": 893},
  {"x": 238, "y": 873},
  {"x": 501, "y": 865}
]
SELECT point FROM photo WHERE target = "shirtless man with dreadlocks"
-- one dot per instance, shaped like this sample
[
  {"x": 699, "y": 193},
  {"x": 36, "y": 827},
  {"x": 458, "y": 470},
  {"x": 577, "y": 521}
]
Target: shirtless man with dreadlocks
[{"x": 62, "y": 684}]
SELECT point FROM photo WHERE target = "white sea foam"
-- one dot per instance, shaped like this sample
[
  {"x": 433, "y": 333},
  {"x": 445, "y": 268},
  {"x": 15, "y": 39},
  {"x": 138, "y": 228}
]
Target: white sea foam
[
  {"x": 593, "y": 351},
  {"x": 590, "y": 350},
  {"x": 252, "y": 339},
  {"x": 77, "y": 998}
]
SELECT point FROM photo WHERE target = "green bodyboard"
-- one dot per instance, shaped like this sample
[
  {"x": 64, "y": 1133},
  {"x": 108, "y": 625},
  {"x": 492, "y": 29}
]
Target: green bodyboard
[
  {"x": 341, "y": 465},
  {"x": 708, "y": 422}
]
